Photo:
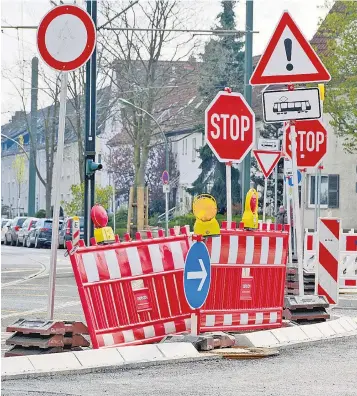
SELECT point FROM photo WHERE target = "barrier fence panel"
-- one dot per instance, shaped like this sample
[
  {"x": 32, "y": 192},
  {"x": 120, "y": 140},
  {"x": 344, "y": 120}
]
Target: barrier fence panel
[
  {"x": 132, "y": 292},
  {"x": 348, "y": 261},
  {"x": 248, "y": 278},
  {"x": 328, "y": 251}
]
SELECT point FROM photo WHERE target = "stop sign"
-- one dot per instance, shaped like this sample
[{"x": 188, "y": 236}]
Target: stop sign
[
  {"x": 311, "y": 142},
  {"x": 229, "y": 127}
]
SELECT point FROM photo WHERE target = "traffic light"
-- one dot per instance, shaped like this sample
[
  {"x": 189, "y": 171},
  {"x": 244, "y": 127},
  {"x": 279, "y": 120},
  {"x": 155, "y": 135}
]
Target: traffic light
[{"x": 92, "y": 166}]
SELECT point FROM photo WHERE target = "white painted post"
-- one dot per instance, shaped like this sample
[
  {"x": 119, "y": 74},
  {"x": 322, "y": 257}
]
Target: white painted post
[
  {"x": 229, "y": 192},
  {"x": 265, "y": 198},
  {"x": 288, "y": 212},
  {"x": 56, "y": 192},
  {"x": 297, "y": 223}
]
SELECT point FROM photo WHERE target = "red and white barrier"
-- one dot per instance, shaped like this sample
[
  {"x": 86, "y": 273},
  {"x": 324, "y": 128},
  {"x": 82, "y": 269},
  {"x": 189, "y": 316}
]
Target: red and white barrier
[
  {"x": 347, "y": 257},
  {"x": 132, "y": 292},
  {"x": 328, "y": 251},
  {"x": 248, "y": 278}
]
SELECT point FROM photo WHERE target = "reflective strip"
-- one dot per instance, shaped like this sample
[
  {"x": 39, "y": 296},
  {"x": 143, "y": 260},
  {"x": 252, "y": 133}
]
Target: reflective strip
[
  {"x": 216, "y": 250},
  {"x": 259, "y": 318},
  {"x": 245, "y": 272},
  {"x": 156, "y": 258},
  {"x": 177, "y": 255},
  {"x": 188, "y": 324},
  {"x": 278, "y": 251},
  {"x": 249, "y": 250},
  {"x": 128, "y": 335},
  {"x": 170, "y": 327},
  {"x": 264, "y": 250},
  {"x": 227, "y": 319},
  {"x": 90, "y": 265},
  {"x": 134, "y": 261},
  {"x": 112, "y": 263},
  {"x": 149, "y": 331},
  {"x": 233, "y": 249},
  {"x": 326, "y": 281},
  {"x": 210, "y": 320},
  {"x": 273, "y": 317},
  {"x": 244, "y": 318},
  {"x": 108, "y": 339}
]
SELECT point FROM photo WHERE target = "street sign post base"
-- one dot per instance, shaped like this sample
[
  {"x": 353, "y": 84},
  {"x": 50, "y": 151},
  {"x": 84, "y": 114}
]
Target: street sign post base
[{"x": 306, "y": 308}]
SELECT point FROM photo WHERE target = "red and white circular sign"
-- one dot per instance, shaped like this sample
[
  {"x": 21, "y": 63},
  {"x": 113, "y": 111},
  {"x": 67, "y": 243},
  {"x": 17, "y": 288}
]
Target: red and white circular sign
[{"x": 66, "y": 37}]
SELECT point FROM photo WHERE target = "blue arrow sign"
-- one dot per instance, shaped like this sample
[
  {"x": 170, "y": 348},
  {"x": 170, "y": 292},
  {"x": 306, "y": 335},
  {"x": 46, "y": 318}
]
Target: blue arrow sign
[{"x": 197, "y": 275}]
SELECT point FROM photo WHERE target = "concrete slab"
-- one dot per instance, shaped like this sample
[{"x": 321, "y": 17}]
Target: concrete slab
[
  {"x": 326, "y": 329},
  {"x": 281, "y": 335},
  {"x": 140, "y": 353},
  {"x": 352, "y": 322},
  {"x": 295, "y": 334},
  {"x": 346, "y": 324},
  {"x": 257, "y": 339},
  {"x": 58, "y": 361},
  {"x": 312, "y": 331},
  {"x": 99, "y": 357},
  {"x": 336, "y": 327},
  {"x": 179, "y": 350},
  {"x": 16, "y": 365}
]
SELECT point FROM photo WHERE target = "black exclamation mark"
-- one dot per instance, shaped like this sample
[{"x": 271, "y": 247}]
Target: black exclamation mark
[{"x": 288, "y": 47}]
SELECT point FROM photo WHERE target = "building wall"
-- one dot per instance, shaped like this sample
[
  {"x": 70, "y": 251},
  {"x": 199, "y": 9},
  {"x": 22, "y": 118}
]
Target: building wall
[
  {"x": 69, "y": 176},
  {"x": 188, "y": 163}
]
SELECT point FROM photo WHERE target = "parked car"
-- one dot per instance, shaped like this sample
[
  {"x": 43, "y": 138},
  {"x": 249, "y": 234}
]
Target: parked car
[
  {"x": 65, "y": 233},
  {"x": 12, "y": 232},
  {"x": 4, "y": 226},
  {"x": 24, "y": 231},
  {"x": 41, "y": 234}
]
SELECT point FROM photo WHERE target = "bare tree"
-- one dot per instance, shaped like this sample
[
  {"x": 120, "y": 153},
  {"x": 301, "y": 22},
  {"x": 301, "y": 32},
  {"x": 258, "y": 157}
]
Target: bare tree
[{"x": 144, "y": 72}]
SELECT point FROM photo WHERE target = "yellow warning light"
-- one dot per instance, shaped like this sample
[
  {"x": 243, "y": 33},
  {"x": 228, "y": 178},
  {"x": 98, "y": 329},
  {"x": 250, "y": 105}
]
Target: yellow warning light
[
  {"x": 250, "y": 215},
  {"x": 204, "y": 208},
  {"x": 104, "y": 235}
]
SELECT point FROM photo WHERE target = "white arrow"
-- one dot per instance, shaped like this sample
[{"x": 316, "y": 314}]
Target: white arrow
[{"x": 199, "y": 275}]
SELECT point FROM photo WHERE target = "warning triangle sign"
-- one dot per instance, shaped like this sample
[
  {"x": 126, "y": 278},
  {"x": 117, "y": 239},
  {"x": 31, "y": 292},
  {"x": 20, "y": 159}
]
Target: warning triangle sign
[
  {"x": 288, "y": 58},
  {"x": 267, "y": 160}
]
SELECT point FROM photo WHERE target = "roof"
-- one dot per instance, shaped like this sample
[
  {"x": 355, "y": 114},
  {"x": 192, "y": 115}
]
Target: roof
[{"x": 21, "y": 121}]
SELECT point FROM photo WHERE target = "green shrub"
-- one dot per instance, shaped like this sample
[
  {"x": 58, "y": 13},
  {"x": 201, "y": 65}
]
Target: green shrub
[{"x": 41, "y": 214}]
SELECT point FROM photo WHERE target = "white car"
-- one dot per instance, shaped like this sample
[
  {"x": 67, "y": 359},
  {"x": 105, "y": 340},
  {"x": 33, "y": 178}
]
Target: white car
[{"x": 4, "y": 227}]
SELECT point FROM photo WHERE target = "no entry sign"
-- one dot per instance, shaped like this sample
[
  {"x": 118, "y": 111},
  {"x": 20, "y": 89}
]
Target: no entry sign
[
  {"x": 66, "y": 37},
  {"x": 229, "y": 127},
  {"x": 311, "y": 143}
]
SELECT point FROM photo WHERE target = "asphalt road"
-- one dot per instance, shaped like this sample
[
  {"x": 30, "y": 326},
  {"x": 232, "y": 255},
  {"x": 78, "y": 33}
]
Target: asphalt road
[
  {"x": 324, "y": 369},
  {"x": 24, "y": 287}
]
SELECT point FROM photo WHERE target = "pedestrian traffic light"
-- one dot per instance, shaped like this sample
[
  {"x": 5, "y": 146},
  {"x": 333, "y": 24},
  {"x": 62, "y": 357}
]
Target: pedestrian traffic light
[{"x": 92, "y": 166}]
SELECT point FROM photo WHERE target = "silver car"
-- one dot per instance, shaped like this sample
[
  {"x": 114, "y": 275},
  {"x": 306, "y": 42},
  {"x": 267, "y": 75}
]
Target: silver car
[{"x": 22, "y": 236}]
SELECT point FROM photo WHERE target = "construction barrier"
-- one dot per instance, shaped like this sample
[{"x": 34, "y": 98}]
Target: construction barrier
[
  {"x": 132, "y": 292},
  {"x": 348, "y": 261},
  {"x": 347, "y": 257},
  {"x": 328, "y": 250},
  {"x": 248, "y": 278}
]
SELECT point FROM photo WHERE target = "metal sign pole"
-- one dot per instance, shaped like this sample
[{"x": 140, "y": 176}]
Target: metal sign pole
[
  {"x": 229, "y": 191},
  {"x": 56, "y": 203},
  {"x": 167, "y": 213},
  {"x": 297, "y": 224},
  {"x": 303, "y": 181},
  {"x": 265, "y": 197},
  {"x": 288, "y": 213},
  {"x": 276, "y": 191}
]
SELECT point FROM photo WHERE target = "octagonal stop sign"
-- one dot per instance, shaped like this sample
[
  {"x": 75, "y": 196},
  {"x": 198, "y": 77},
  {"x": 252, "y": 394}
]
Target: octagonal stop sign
[
  {"x": 229, "y": 127},
  {"x": 311, "y": 142}
]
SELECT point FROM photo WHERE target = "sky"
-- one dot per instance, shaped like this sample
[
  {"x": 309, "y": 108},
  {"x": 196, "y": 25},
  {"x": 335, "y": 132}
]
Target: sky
[{"x": 19, "y": 46}]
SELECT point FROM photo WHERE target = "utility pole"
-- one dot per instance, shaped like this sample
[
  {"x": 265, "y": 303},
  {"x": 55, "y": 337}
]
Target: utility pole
[
  {"x": 248, "y": 67},
  {"x": 90, "y": 132},
  {"x": 33, "y": 138}
]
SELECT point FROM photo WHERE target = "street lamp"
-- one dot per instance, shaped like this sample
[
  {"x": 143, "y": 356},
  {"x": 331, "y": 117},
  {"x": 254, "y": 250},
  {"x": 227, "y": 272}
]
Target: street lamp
[{"x": 166, "y": 154}]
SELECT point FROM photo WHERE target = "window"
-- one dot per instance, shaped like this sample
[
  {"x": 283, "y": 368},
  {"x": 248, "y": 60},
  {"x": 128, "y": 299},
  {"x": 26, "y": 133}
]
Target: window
[
  {"x": 185, "y": 146},
  {"x": 99, "y": 158},
  {"x": 194, "y": 152},
  {"x": 329, "y": 195}
]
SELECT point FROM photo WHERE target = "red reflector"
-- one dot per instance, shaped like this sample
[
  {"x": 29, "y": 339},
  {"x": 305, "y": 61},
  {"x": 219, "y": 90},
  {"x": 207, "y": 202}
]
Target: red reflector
[
  {"x": 17, "y": 228},
  {"x": 44, "y": 229},
  {"x": 68, "y": 231}
]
